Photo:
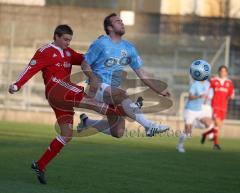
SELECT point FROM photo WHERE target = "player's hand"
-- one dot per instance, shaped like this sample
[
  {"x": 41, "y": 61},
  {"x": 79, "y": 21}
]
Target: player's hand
[
  {"x": 165, "y": 93},
  {"x": 12, "y": 89},
  {"x": 204, "y": 96},
  {"x": 94, "y": 83}
]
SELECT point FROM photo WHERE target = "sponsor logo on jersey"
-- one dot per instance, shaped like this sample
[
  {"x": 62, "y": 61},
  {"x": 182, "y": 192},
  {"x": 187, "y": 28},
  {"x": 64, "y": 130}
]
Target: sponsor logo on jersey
[
  {"x": 111, "y": 62},
  {"x": 67, "y": 65},
  {"x": 54, "y": 55},
  {"x": 124, "y": 53},
  {"x": 33, "y": 62},
  {"x": 58, "y": 64},
  {"x": 123, "y": 61},
  {"x": 222, "y": 89}
]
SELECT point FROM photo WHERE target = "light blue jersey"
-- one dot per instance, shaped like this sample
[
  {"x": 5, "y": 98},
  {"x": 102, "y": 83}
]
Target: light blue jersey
[
  {"x": 108, "y": 59},
  {"x": 198, "y": 88}
]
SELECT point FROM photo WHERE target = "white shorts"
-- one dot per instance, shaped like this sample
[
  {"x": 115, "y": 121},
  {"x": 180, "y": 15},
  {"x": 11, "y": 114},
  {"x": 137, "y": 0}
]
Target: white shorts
[
  {"x": 207, "y": 110},
  {"x": 190, "y": 116},
  {"x": 100, "y": 92}
]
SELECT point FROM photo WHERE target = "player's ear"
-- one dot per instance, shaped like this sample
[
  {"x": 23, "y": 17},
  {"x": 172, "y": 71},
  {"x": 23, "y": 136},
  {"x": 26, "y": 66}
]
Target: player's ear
[
  {"x": 110, "y": 28},
  {"x": 55, "y": 36}
]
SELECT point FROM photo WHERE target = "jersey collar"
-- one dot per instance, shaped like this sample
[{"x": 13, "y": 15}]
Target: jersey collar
[
  {"x": 59, "y": 49},
  {"x": 222, "y": 80}
]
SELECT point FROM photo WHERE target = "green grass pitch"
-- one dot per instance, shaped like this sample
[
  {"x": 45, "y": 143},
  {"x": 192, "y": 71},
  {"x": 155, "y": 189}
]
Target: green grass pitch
[{"x": 101, "y": 164}]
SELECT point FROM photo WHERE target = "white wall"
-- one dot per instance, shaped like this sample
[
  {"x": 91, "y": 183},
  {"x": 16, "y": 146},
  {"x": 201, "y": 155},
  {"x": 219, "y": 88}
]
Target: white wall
[
  {"x": 204, "y": 8},
  {"x": 24, "y": 2}
]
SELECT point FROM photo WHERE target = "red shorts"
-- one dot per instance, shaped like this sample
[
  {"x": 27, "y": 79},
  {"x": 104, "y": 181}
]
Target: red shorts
[
  {"x": 219, "y": 114},
  {"x": 64, "y": 116},
  {"x": 62, "y": 98}
]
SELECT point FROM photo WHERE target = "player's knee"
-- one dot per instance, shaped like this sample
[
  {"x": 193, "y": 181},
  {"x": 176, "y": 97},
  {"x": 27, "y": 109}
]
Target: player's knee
[
  {"x": 117, "y": 133},
  {"x": 122, "y": 95},
  {"x": 66, "y": 133},
  {"x": 67, "y": 139}
]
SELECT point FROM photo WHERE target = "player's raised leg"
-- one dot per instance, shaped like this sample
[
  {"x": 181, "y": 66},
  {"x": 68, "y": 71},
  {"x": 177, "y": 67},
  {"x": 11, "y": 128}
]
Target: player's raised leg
[
  {"x": 114, "y": 95},
  {"x": 113, "y": 116},
  {"x": 114, "y": 125}
]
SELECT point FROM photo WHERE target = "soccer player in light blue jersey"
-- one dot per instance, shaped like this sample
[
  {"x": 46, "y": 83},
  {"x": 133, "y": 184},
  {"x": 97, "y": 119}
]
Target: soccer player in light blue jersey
[
  {"x": 199, "y": 94},
  {"x": 104, "y": 65}
]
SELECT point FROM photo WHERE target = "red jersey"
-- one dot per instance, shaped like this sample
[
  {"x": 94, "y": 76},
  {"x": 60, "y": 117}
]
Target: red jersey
[
  {"x": 223, "y": 89},
  {"x": 55, "y": 64}
]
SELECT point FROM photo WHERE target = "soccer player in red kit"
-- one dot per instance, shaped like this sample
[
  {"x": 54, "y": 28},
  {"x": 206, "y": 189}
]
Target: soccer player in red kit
[
  {"x": 55, "y": 60},
  {"x": 223, "y": 89}
]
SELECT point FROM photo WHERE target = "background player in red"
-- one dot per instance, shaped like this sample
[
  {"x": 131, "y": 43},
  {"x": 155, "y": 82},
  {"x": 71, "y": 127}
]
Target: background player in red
[
  {"x": 55, "y": 60},
  {"x": 223, "y": 89}
]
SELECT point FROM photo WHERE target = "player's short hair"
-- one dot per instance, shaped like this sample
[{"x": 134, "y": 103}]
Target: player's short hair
[
  {"x": 107, "y": 22},
  {"x": 223, "y": 67},
  {"x": 62, "y": 29}
]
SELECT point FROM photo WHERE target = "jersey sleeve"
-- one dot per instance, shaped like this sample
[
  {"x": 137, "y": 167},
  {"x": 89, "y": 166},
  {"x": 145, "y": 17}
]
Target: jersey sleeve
[
  {"x": 77, "y": 58},
  {"x": 39, "y": 61},
  {"x": 136, "y": 59},
  {"x": 93, "y": 52}
]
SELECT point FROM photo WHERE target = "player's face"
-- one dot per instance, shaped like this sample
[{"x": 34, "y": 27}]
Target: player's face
[
  {"x": 223, "y": 73},
  {"x": 117, "y": 26},
  {"x": 63, "y": 41}
]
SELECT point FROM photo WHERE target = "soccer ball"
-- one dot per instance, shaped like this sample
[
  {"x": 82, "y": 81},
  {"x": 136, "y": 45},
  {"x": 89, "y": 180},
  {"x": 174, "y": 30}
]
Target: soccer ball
[{"x": 200, "y": 70}]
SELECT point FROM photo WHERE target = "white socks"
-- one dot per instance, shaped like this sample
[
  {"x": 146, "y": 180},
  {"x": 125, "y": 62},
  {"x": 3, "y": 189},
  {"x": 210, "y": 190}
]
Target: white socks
[
  {"x": 182, "y": 138},
  {"x": 133, "y": 111},
  {"x": 100, "y": 125}
]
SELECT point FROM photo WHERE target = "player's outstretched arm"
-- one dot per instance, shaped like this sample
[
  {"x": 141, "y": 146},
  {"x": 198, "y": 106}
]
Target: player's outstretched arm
[
  {"x": 150, "y": 82},
  {"x": 39, "y": 61}
]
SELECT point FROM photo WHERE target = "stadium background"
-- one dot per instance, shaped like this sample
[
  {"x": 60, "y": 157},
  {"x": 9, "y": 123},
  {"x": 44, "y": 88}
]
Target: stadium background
[{"x": 168, "y": 34}]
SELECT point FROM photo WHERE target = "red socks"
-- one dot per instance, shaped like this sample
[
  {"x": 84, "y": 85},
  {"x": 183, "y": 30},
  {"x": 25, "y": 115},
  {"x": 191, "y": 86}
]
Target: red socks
[
  {"x": 208, "y": 132},
  {"x": 53, "y": 149},
  {"x": 215, "y": 135}
]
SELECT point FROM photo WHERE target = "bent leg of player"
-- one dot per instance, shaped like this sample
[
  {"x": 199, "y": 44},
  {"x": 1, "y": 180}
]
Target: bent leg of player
[
  {"x": 103, "y": 108},
  {"x": 115, "y": 96},
  {"x": 114, "y": 125},
  {"x": 67, "y": 95},
  {"x": 209, "y": 124}
]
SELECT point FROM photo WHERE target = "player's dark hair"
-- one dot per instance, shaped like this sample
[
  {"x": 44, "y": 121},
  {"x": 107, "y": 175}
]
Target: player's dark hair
[
  {"x": 62, "y": 29},
  {"x": 223, "y": 67},
  {"x": 107, "y": 22}
]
